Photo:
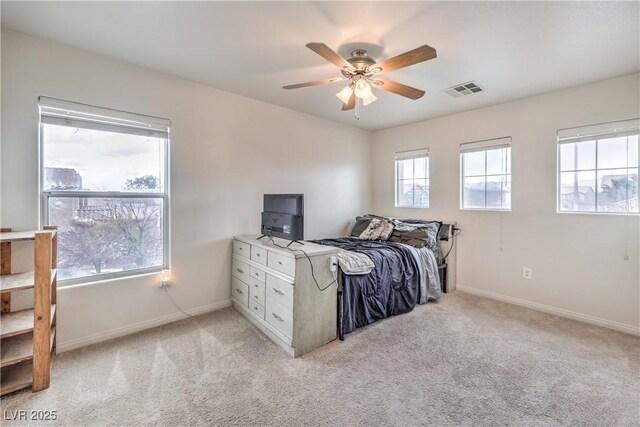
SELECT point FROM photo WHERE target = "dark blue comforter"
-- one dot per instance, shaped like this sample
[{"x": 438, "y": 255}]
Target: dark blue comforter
[{"x": 391, "y": 288}]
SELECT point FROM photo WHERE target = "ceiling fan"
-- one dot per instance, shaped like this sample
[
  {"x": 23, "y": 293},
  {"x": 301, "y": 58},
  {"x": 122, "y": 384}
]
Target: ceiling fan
[{"x": 363, "y": 72}]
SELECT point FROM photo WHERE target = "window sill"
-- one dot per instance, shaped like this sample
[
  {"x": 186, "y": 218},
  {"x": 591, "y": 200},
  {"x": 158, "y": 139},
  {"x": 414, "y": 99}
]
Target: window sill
[
  {"x": 598, "y": 213},
  {"x": 484, "y": 210},
  {"x": 109, "y": 277}
]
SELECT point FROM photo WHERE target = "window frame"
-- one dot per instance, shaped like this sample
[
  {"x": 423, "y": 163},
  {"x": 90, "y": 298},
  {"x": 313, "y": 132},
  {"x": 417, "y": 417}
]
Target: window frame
[
  {"x": 484, "y": 146},
  {"x": 45, "y": 195},
  {"x": 582, "y": 134},
  {"x": 411, "y": 155}
]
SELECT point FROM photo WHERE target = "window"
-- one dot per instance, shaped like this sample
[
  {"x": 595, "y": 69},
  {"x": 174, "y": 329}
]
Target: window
[
  {"x": 486, "y": 175},
  {"x": 412, "y": 178},
  {"x": 598, "y": 168},
  {"x": 104, "y": 183}
]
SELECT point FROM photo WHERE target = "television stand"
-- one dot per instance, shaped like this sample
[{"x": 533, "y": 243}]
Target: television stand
[
  {"x": 290, "y": 243},
  {"x": 282, "y": 299}
]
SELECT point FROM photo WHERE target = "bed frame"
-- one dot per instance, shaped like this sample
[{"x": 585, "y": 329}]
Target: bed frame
[{"x": 447, "y": 242}]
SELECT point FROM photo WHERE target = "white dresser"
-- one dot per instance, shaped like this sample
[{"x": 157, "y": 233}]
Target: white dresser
[{"x": 274, "y": 288}]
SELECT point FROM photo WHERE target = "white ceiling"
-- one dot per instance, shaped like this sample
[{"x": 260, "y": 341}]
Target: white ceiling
[{"x": 513, "y": 49}]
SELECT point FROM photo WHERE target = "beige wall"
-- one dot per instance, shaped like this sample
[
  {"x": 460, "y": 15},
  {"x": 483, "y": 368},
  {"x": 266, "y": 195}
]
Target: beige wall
[
  {"x": 578, "y": 261},
  {"x": 226, "y": 152}
]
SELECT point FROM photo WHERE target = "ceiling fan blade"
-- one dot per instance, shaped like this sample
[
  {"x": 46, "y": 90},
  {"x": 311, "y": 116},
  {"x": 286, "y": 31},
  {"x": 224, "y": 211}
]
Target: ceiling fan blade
[
  {"x": 420, "y": 54},
  {"x": 316, "y": 83},
  {"x": 351, "y": 104},
  {"x": 328, "y": 54},
  {"x": 397, "y": 88}
]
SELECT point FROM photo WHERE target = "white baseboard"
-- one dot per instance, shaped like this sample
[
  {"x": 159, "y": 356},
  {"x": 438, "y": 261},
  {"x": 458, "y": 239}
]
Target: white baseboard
[
  {"x": 61, "y": 347},
  {"x": 622, "y": 327}
]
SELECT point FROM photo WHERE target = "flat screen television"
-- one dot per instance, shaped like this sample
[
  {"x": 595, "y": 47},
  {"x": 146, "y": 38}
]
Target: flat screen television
[{"x": 282, "y": 216}]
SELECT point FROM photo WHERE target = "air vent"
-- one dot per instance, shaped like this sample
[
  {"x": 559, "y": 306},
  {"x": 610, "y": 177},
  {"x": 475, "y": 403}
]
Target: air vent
[{"x": 463, "y": 89}]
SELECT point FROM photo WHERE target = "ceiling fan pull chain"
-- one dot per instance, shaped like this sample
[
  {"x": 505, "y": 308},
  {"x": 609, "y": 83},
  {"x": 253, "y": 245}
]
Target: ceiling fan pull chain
[{"x": 357, "y": 109}]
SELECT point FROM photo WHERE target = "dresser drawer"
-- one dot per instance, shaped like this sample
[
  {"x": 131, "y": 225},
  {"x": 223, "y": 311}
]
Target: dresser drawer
[
  {"x": 240, "y": 291},
  {"x": 257, "y": 309},
  {"x": 282, "y": 263},
  {"x": 279, "y": 291},
  {"x": 240, "y": 269},
  {"x": 259, "y": 255},
  {"x": 256, "y": 291},
  {"x": 279, "y": 317},
  {"x": 241, "y": 248},
  {"x": 257, "y": 274}
]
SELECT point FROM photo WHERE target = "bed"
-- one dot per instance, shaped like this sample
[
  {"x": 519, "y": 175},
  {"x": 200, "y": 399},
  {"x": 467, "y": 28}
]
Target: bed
[{"x": 402, "y": 276}]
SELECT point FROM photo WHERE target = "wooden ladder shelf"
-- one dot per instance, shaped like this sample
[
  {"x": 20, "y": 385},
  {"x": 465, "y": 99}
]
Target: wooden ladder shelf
[{"x": 29, "y": 335}]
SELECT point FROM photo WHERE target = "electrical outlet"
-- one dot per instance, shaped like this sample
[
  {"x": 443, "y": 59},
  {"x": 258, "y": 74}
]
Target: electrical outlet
[
  {"x": 527, "y": 273},
  {"x": 333, "y": 263}
]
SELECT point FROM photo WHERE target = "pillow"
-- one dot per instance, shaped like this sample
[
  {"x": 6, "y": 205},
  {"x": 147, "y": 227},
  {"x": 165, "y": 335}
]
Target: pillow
[
  {"x": 422, "y": 221},
  {"x": 362, "y": 222},
  {"x": 378, "y": 229},
  {"x": 417, "y": 234}
]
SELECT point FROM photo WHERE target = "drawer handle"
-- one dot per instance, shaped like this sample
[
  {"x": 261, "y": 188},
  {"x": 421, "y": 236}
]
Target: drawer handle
[
  {"x": 255, "y": 308},
  {"x": 239, "y": 271},
  {"x": 256, "y": 297},
  {"x": 238, "y": 291},
  {"x": 280, "y": 262},
  {"x": 240, "y": 248},
  {"x": 278, "y": 317},
  {"x": 258, "y": 255},
  {"x": 257, "y": 275},
  {"x": 278, "y": 291}
]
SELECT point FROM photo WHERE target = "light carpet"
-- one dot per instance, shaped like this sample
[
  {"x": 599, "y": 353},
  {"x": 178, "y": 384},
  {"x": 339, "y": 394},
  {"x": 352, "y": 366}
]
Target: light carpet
[{"x": 466, "y": 360}]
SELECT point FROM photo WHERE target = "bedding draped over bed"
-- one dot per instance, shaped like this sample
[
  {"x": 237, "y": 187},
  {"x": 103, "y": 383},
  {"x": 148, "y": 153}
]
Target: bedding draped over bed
[{"x": 402, "y": 277}]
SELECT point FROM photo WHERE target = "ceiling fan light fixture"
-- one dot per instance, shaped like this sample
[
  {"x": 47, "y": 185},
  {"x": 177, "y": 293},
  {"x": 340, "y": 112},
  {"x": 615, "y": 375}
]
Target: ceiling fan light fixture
[
  {"x": 369, "y": 99},
  {"x": 362, "y": 72},
  {"x": 345, "y": 94},
  {"x": 363, "y": 89}
]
